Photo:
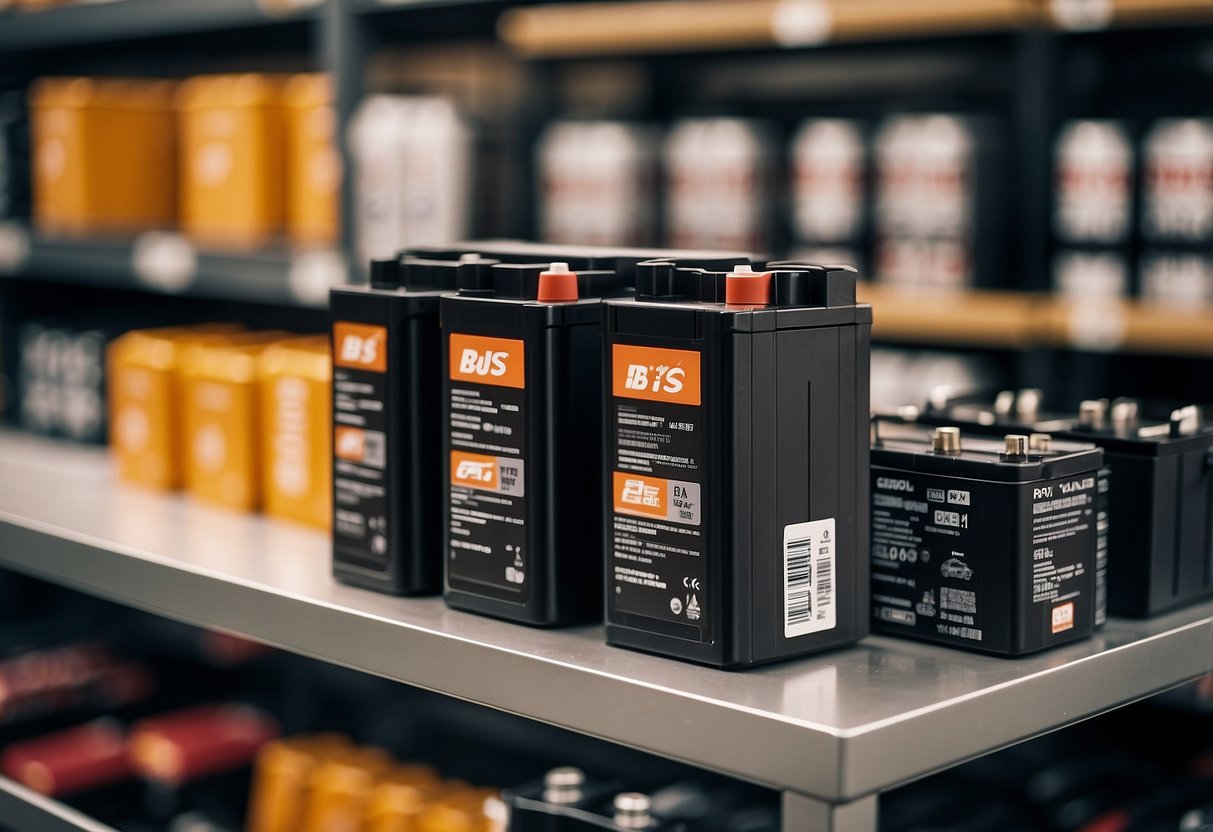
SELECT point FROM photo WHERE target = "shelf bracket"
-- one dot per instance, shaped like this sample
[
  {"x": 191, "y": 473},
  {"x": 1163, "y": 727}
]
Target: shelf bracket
[{"x": 808, "y": 814}]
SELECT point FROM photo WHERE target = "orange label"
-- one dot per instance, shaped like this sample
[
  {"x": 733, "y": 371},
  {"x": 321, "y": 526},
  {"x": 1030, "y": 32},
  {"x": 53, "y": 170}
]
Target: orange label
[
  {"x": 1063, "y": 617},
  {"x": 496, "y": 361},
  {"x": 360, "y": 346},
  {"x": 474, "y": 470},
  {"x": 349, "y": 443},
  {"x": 637, "y": 494},
  {"x": 655, "y": 374}
]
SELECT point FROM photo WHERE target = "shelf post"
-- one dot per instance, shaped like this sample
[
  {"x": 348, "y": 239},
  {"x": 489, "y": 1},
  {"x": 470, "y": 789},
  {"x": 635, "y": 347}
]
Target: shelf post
[
  {"x": 344, "y": 47},
  {"x": 808, "y": 814}
]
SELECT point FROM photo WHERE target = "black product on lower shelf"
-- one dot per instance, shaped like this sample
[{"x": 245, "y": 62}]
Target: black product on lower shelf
[
  {"x": 1160, "y": 506},
  {"x": 982, "y": 543},
  {"x": 522, "y": 426},
  {"x": 736, "y": 463},
  {"x": 386, "y": 511}
]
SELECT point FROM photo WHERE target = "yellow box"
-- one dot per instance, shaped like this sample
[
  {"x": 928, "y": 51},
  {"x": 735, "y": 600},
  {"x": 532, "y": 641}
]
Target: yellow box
[
  {"x": 233, "y": 159},
  {"x": 103, "y": 155},
  {"x": 400, "y": 798},
  {"x": 341, "y": 789},
  {"x": 282, "y": 780},
  {"x": 464, "y": 810},
  {"x": 297, "y": 426},
  {"x": 222, "y": 421},
  {"x": 313, "y": 163},
  {"x": 144, "y": 380}
]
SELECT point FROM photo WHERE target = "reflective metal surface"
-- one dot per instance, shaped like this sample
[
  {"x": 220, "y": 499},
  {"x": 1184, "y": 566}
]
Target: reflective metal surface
[{"x": 837, "y": 726}]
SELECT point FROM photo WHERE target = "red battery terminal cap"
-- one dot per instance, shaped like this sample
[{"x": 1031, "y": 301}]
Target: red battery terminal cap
[
  {"x": 745, "y": 287},
  {"x": 557, "y": 284}
]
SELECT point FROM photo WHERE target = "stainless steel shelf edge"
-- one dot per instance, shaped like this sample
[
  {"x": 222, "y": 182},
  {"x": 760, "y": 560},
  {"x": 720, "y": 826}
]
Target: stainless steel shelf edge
[
  {"x": 22, "y": 809},
  {"x": 833, "y": 727}
]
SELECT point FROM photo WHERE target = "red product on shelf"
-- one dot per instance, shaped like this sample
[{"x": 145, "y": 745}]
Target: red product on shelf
[
  {"x": 68, "y": 762},
  {"x": 190, "y": 744}
]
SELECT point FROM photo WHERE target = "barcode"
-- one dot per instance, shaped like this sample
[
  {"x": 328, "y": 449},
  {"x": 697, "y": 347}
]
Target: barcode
[
  {"x": 799, "y": 605},
  {"x": 825, "y": 579},
  {"x": 969, "y": 632}
]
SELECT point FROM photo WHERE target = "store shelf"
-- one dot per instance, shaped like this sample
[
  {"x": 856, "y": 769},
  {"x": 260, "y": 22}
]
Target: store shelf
[
  {"x": 1084, "y": 15},
  {"x": 21, "y": 808},
  {"x": 574, "y": 29},
  {"x": 835, "y": 727},
  {"x": 948, "y": 317},
  {"x": 1129, "y": 326},
  {"x": 167, "y": 263},
  {"x": 80, "y": 24}
]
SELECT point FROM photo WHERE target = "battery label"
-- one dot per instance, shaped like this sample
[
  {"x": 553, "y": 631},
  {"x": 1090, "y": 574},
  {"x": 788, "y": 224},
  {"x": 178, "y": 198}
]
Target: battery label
[
  {"x": 487, "y": 467},
  {"x": 360, "y": 524},
  {"x": 808, "y": 578},
  {"x": 657, "y": 548}
]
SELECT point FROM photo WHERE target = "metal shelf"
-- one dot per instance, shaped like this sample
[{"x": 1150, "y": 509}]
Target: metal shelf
[
  {"x": 167, "y": 263},
  {"x": 21, "y": 808},
  {"x": 826, "y": 730},
  {"x": 120, "y": 20}
]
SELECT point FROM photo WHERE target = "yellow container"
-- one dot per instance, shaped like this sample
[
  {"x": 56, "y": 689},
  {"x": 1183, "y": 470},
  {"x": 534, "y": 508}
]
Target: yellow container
[
  {"x": 397, "y": 802},
  {"x": 282, "y": 780},
  {"x": 313, "y": 163},
  {"x": 341, "y": 789},
  {"x": 465, "y": 810},
  {"x": 222, "y": 435},
  {"x": 103, "y": 155},
  {"x": 233, "y": 159},
  {"x": 296, "y": 418},
  {"x": 144, "y": 378}
]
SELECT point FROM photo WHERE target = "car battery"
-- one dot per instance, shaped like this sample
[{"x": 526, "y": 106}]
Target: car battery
[
  {"x": 982, "y": 543},
  {"x": 829, "y": 191},
  {"x": 560, "y": 801},
  {"x": 386, "y": 365},
  {"x": 1160, "y": 502},
  {"x": 1175, "y": 267},
  {"x": 296, "y": 378},
  {"x": 221, "y": 417},
  {"x": 736, "y": 463},
  {"x": 313, "y": 192},
  {"x": 523, "y": 427}
]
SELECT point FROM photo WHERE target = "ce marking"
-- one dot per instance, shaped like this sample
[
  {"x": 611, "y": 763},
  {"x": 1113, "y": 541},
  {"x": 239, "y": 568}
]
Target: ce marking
[{"x": 691, "y": 583}]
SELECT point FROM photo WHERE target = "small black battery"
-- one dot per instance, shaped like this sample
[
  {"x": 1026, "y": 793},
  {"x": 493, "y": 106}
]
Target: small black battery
[
  {"x": 386, "y": 383},
  {"x": 522, "y": 427},
  {"x": 985, "y": 544},
  {"x": 737, "y": 515},
  {"x": 1159, "y": 465}
]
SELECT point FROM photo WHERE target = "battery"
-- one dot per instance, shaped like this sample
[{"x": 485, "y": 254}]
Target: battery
[
  {"x": 1159, "y": 462},
  {"x": 982, "y": 543},
  {"x": 829, "y": 175},
  {"x": 386, "y": 511},
  {"x": 737, "y": 405},
  {"x": 523, "y": 427}
]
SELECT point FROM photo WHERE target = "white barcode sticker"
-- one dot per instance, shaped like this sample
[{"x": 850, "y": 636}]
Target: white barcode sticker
[{"x": 808, "y": 578}]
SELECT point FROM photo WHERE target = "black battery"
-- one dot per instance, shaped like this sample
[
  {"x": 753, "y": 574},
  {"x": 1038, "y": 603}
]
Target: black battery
[
  {"x": 522, "y": 427},
  {"x": 982, "y": 543},
  {"x": 1159, "y": 465},
  {"x": 387, "y": 514},
  {"x": 736, "y": 460}
]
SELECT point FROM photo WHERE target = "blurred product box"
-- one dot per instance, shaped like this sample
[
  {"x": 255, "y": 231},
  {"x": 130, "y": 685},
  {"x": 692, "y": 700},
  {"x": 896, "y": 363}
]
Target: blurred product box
[
  {"x": 937, "y": 208},
  {"x": 14, "y": 156},
  {"x": 313, "y": 213},
  {"x": 1176, "y": 264},
  {"x": 61, "y": 380},
  {"x": 597, "y": 183},
  {"x": 401, "y": 797},
  {"x": 341, "y": 788},
  {"x": 283, "y": 779},
  {"x": 145, "y": 404},
  {"x": 829, "y": 191},
  {"x": 1093, "y": 209},
  {"x": 103, "y": 155},
  {"x": 233, "y": 164},
  {"x": 412, "y": 160},
  {"x": 296, "y": 418},
  {"x": 222, "y": 439},
  {"x": 719, "y": 184}
]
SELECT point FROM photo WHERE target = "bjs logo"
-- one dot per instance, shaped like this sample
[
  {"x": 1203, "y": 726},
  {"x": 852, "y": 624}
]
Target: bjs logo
[
  {"x": 659, "y": 379},
  {"x": 656, "y": 374},
  {"x": 496, "y": 361},
  {"x": 360, "y": 346},
  {"x": 486, "y": 364},
  {"x": 472, "y": 470}
]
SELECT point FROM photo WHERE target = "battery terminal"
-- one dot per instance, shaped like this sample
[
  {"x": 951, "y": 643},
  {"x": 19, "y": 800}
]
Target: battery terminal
[
  {"x": 1016, "y": 447},
  {"x": 946, "y": 440},
  {"x": 558, "y": 284},
  {"x": 744, "y": 286}
]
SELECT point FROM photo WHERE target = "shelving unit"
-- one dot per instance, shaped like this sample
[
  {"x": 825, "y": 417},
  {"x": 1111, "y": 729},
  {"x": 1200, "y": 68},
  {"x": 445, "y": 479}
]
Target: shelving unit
[
  {"x": 830, "y": 732},
  {"x": 24, "y": 809}
]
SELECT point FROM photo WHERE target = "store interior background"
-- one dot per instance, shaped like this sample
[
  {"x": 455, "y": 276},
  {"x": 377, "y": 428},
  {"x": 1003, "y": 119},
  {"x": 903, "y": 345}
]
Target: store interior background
[{"x": 938, "y": 175}]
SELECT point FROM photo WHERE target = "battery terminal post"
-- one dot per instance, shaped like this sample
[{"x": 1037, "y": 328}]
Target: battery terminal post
[
  {"x": 558, "y": 284},
  {"x": 745, "y": 287}
]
